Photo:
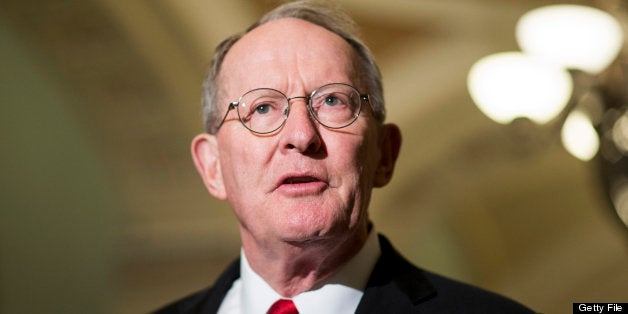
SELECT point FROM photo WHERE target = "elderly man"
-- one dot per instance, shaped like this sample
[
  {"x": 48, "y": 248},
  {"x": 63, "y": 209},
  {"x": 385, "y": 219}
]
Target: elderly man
[{"x": 295, "y": 142}]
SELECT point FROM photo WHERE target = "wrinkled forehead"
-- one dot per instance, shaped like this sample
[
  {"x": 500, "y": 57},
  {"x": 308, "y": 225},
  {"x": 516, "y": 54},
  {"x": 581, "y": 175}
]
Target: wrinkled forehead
[{"x": 285, "y": 50}]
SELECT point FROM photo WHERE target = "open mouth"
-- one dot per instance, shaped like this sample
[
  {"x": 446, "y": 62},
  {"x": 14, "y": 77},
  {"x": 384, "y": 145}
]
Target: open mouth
[
  {"x": 300, "y": 180},
  {"x": 301, "y": 184}
]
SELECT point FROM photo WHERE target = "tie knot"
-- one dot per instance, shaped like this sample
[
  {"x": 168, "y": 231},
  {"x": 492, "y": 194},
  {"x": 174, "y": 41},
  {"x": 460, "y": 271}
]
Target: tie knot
[{"x": 283, "y": 306}]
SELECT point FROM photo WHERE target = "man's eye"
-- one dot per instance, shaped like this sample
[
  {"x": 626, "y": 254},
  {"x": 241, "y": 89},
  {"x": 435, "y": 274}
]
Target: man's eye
[
  {"x": 262, "y": 109},
  {"x": 331, "y": 101}
]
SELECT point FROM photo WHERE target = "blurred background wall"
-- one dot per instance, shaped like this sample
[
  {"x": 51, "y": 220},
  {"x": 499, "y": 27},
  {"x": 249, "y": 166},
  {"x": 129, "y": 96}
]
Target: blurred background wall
[{"x": 103, "y": 212}]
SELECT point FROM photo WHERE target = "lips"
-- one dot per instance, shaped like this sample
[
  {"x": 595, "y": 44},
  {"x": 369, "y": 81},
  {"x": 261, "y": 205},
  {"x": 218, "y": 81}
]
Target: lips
[{"x": 300, "y": 184}]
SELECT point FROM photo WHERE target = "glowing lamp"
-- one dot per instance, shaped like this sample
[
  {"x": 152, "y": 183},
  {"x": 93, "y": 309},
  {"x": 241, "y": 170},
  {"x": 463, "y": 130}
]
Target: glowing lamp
[
  {"x": 579, "y": 136},
  {"x": 509, "y": 85},
  {"x": 620, "y": 133},
  {"x": 576, "y": 37},
  {"x": 620, "y": 200}
]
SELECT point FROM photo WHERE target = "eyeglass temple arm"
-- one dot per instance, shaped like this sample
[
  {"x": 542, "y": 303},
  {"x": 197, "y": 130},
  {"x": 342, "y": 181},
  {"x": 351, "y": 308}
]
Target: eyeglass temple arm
[{"x": 232, "y": 105}]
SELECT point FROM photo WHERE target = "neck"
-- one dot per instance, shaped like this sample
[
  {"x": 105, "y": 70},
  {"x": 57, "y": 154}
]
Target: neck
[{"x": 294, "y": 267}]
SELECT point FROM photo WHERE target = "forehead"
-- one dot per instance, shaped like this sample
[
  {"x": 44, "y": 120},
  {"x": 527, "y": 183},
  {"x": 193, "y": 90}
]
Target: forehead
[{"x": 284, "y": 52}]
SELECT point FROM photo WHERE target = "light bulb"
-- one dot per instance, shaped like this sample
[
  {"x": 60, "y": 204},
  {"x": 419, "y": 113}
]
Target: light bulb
[
  {"x": 620, "y": 133},
  {"x": 509, "y": 85},
  {"x": 574, "y": 36},
  {"x": 579, "y": 136}
]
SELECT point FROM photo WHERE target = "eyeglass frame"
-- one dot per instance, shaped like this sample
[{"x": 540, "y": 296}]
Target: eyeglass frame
[{"x": 232, "y": 105}]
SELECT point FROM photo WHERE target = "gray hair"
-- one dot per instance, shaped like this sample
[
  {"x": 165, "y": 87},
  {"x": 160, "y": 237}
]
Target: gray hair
[{"x": 322, "y": 14}]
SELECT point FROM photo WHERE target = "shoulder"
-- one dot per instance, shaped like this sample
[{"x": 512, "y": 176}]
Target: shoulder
[
  {"x": 397, "y": 283},
  {"x": 207, "y": 300},
  {"x": 189, "y": 304},
  {"x": 460, "y": 297}
]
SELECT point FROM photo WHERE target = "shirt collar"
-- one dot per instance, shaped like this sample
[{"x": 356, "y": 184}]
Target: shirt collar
[{"x": 340, "y": 293}]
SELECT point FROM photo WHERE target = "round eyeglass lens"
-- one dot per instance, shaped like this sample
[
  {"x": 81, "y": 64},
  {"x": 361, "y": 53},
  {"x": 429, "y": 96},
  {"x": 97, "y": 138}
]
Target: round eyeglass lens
[
  {"x": 263, "y": 110},
  {"x": 335, "y": 105}
]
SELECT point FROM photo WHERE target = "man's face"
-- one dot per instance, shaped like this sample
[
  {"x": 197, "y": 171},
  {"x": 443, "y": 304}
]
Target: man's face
[{"x": 305, "y": 181}]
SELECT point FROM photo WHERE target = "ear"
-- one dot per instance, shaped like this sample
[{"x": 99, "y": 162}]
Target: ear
[
  {"x": 207, "y": 161},
  {"x": 389, "y": 146}
]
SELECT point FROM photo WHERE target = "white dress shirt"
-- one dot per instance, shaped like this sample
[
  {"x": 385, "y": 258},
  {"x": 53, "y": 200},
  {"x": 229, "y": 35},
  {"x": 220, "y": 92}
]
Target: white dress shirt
[{"x": 340, "y": 293}]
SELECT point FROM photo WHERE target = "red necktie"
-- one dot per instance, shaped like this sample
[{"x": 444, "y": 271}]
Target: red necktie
[{"x": 283, "y": 306}]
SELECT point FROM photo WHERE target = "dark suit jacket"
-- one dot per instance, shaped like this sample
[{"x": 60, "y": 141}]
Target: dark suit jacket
[{"x": 395, "y": 286}]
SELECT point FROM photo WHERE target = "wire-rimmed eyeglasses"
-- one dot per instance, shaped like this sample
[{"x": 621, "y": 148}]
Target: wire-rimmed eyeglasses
[{"x": 265, "y": 110}]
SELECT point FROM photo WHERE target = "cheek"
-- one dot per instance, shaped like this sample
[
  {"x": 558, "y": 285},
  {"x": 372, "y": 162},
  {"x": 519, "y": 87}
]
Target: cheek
[
  {"x": 357, "y": 162},
  {"x": 236, "y": 167},
  {"x": 367, "y": 158},
  {"x": 244, "y": 159},
  {"x": 242, "y": 170}
]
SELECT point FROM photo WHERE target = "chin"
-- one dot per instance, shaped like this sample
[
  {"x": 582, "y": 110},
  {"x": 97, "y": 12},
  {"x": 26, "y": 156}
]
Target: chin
[
  {"x": 311, "y": 222},
  {"x": 311, "y": 234}
]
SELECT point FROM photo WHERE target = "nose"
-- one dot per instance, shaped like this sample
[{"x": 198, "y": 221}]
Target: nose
[{"x": 300, "y": 132}]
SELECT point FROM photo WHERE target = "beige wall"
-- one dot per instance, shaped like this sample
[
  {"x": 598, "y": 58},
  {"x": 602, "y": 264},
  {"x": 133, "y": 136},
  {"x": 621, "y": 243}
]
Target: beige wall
[{"x": 102, "y": 208}]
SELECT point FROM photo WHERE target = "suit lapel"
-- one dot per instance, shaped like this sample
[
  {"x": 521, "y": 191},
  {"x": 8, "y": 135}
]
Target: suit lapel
[
  {"x": 395, "y": 286},
  {"x": 220, "y": 288}
]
